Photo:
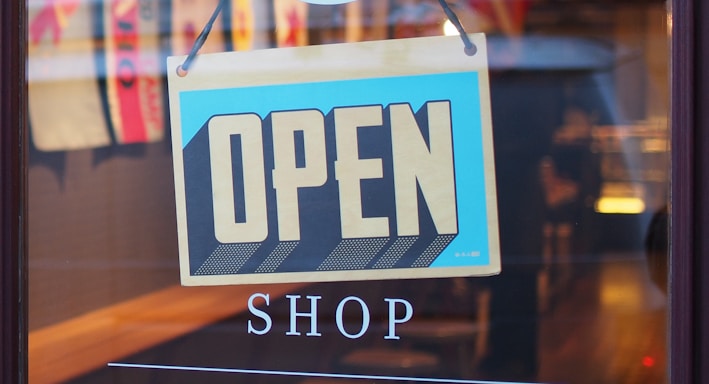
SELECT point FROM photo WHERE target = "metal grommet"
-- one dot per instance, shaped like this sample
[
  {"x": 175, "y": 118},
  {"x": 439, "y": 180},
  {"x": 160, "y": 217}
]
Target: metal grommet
[
  {"x": 181, "y": 72},
  {"x": 471, "y": 50}
]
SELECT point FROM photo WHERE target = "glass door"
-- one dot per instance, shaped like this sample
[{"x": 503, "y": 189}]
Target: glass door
[{"x": 579, "y": 101}]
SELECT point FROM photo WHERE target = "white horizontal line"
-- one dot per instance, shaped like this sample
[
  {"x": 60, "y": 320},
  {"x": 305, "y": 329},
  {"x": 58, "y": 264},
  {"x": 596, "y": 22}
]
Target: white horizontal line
[{"x": 305, "y": 374}]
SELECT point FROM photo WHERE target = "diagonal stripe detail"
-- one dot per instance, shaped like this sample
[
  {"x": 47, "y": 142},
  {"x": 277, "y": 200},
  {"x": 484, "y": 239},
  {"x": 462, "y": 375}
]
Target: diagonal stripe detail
[
  {"x": 227, "y": 259},
  {"x": 395, "y": 252},
  {"x": 353, "y": 254},
  {"x": 432, "y": 251},
  {"x": 276, "y": 257}
]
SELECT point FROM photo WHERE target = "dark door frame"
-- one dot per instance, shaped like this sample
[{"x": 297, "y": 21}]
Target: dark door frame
[
  {"x": 13, "y": 250},
  {"x": 689, "y": 207},
  {"x": 700, "y": 294},
  {"x": 689, "y": 212}
]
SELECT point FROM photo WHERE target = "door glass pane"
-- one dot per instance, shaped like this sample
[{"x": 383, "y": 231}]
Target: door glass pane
[{"x": 579, "y": 97}]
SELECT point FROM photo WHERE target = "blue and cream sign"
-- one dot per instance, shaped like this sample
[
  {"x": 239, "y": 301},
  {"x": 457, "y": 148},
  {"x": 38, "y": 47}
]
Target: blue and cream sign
[{"x": 342, "y": 162}]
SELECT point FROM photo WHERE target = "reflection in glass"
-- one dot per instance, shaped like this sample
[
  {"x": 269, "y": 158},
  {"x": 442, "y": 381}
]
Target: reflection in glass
[{"x": 579, "y": 101}]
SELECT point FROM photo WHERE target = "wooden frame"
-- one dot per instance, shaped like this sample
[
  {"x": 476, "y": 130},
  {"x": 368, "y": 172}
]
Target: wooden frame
[
  {"x": 700, "y": 295},
  {"x": 689, "y": 218},
  {"x": 13, "y": 95},
  {"x": 689, "y": 267},
  {"x": 689, "y": 339}
]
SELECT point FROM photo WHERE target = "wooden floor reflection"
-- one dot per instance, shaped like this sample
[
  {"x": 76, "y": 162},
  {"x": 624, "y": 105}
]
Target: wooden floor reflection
[{"x": 607, "y": 326}]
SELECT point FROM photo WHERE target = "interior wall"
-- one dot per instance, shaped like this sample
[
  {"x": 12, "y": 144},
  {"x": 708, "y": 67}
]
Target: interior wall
[{"x": 102, "y": 228}]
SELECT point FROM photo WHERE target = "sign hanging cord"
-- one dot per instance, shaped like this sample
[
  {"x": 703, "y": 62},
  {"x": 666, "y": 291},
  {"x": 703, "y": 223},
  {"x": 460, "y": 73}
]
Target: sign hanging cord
[
  {"x": 184, "y": 68},
  {"x": 470, "y": 48}
]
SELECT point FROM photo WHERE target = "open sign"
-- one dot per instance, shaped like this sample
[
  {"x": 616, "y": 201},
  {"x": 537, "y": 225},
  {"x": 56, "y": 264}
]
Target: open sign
[{"x": 303, "y": 170}]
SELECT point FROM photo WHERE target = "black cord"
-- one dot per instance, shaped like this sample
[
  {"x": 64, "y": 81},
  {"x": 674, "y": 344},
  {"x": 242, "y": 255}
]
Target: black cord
[
  {"x": 470, "y": 48},
  {"x": 184, "y": 68}
]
